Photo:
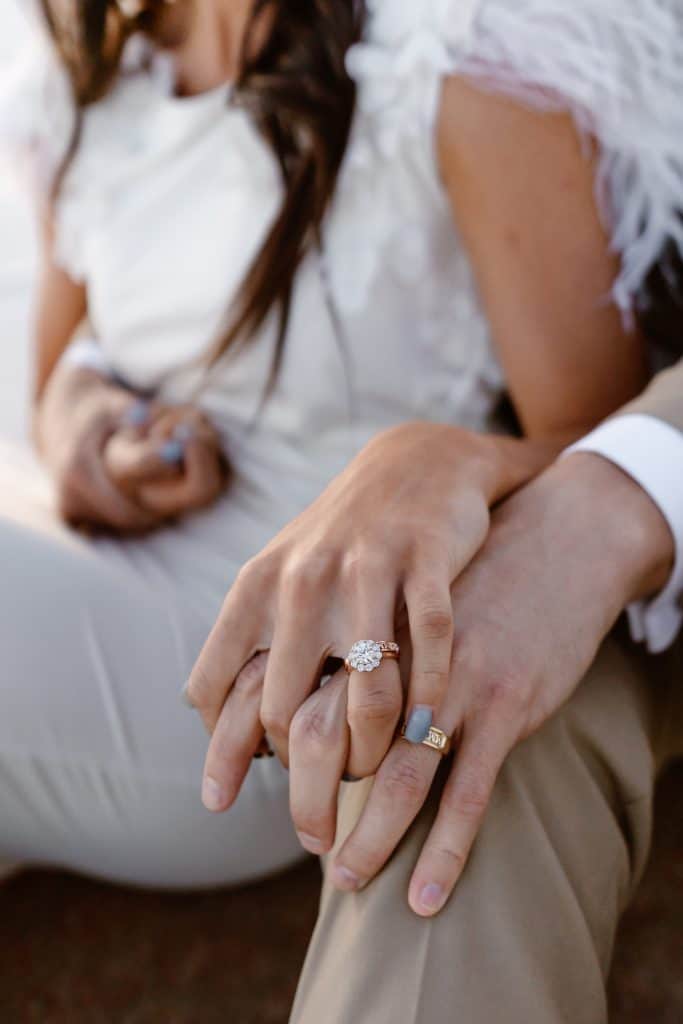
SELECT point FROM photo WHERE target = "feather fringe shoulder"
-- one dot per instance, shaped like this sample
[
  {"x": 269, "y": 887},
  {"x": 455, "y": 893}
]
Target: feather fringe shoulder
[{"x": 617, "y": 65}]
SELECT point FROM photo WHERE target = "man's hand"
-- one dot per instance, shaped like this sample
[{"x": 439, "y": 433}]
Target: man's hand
[{"x": 563, "y": 558}]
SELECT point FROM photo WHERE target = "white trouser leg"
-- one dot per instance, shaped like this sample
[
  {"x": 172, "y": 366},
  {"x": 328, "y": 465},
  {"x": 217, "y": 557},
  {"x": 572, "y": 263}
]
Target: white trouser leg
[{"x": 100, "y": 763}]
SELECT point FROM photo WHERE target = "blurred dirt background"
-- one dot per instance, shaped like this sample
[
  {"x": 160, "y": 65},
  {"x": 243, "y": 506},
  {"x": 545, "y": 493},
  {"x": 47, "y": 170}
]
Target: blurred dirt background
[{"x": 77, "y": 952}]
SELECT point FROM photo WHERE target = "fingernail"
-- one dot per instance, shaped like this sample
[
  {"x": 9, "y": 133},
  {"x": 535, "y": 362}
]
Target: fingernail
[
  {"x": 213, "y": 796},
  {"x": 418, "y": 725},
  {"x": 432, "y": 897},
  {"x": 345, "y": 879},
  {"x": 172, "y": 452},
  {"x": 311, "y": 843},
  {"x": 183, "y": 432},
  {"x": 348, "y": 777},
  {"x": 137, "y": 414},
  {"x": 185, "y": 697}
]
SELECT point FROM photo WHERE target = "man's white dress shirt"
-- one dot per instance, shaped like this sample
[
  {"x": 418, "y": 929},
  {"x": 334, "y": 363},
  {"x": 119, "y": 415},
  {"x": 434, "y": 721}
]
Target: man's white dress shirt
[{"x": 651, "y": 452}]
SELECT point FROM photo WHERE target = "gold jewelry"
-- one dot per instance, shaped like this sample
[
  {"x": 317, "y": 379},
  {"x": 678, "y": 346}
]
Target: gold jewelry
[
  {"x": 367, "y": 655},
  {"x": 436, "y": 739}
]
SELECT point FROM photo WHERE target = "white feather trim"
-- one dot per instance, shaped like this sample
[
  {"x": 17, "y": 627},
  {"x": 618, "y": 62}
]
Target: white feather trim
[{"x": 618, "y": 65}]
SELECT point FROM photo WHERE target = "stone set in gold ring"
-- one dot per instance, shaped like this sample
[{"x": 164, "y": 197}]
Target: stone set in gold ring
[
  {"x": 367, "y": 655},
  {"x": 436, "y": 739}
]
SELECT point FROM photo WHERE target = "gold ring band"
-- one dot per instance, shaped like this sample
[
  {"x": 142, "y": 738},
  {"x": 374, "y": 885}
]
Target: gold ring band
[
  {"x": 436, "y": 739},
  {"x": 367, "y": 655}
]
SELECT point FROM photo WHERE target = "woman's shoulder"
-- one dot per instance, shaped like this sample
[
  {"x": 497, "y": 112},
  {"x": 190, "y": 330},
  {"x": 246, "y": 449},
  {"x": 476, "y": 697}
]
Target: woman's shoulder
[
  {"x": 38, "y": 113},
  {"x": 616, "y": 65},
  {"x": 37, "y": 116}
]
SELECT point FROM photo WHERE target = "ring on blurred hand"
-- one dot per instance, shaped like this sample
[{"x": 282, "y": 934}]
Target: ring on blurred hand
[
  {"x": 436, "y": 739},
  {"x": 367, "y": 655}
]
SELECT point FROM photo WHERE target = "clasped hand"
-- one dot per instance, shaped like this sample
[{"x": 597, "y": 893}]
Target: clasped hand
[
  {"x": 123, "y": 464},
  {"x": 375, "y": 557}
]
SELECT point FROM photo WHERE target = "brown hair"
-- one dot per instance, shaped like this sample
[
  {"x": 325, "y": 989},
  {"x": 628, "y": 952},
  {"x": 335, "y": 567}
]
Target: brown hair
[{"x": 300, "y": 97}]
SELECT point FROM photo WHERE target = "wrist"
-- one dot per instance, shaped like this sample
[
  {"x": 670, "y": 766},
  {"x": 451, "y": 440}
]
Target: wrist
[
  {"x": 625, "y": 525},
  {"x": 508, "y": 463},
  {"x": 75, "y": 400}
]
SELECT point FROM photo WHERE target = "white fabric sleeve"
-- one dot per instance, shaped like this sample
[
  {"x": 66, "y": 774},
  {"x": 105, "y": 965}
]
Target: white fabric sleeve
[
  {"x": 86, "y": 353},
  {"x": 651, "y": 452}
]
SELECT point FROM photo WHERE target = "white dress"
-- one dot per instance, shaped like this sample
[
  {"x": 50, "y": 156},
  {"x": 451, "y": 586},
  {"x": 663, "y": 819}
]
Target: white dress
[{"x": 161, "y": 212}]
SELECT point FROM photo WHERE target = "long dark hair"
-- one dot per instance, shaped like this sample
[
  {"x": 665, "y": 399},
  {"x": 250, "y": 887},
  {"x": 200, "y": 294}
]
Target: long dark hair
[
  {"x": 660, "y": 303},
  {"x": 299, "y": 95}
]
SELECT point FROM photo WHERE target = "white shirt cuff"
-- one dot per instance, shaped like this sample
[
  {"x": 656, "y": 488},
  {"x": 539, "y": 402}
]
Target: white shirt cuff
[
  {"x": 86, "y": 353},
  {"x": 651, "y": 452}
]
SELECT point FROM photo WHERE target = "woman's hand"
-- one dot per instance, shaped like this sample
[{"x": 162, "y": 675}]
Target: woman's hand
[
  {"x": 120, "y": 464},
  {"x": 168, "y": 460},
  {"x": 391, "y": 533},
  {"x": 529, "y": 615}
]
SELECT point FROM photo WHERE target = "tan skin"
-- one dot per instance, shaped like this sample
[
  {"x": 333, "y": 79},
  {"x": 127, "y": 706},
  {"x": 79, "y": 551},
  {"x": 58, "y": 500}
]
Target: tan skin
[{"x": 373, "y": 559}]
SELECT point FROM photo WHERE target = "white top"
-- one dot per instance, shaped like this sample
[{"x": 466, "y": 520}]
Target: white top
[{"x": 168, "y": 199}]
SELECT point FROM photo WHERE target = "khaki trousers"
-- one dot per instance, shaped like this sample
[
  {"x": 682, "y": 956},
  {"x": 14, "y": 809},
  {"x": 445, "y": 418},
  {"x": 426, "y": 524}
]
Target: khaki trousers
[{"x": 527, "y": 937}]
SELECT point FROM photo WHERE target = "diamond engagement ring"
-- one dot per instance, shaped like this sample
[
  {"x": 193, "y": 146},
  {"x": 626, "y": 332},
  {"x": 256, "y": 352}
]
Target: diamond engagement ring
[{"x": 367, "y": 655}]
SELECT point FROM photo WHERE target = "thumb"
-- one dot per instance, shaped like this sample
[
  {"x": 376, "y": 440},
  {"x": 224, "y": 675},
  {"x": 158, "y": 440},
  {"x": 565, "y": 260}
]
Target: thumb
[{"x": 131, "y": 461}]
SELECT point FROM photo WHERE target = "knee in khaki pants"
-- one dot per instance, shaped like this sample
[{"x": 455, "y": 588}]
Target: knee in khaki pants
[{"x": 527, "y": 936}]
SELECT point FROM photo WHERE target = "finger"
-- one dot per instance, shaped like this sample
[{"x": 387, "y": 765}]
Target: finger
[
  {"x": 242, "y": 628},
  {"x": 397, "y": 794},
  {"x": 110, "y": 506},
  {"x": 463, "y": 805},
  {"x": 199, "y": 484},
  {"x": 236, "y": 738},
  {"x": 137, "y": 417},
  {"x": 375, "y": 699},
  {"x": 299, "y": 650},
  {"x": 318, "y": 750},
  {"x": 430, "y": 616},
  {"x": 182, "y": 423},
  {"x": 131, "y": 461}
]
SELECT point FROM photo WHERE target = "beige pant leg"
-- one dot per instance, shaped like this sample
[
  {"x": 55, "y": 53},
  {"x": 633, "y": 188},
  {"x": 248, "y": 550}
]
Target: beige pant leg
[{"x": 527, "y": 937}]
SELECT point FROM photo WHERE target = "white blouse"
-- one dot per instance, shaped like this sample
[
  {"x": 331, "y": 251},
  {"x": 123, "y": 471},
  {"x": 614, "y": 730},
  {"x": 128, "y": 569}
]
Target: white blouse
[{"x": 168, "y": 200}]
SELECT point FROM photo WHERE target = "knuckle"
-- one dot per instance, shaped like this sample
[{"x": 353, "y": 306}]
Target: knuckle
[
  {"x": 310, "y": 821},
  {"x": 301, "y": 578},
  {"x": 471, "y": 801},
  {"x": 362, "y": 858},
  {"x": 276, "y": 722},
  {"x": 258, "y": 572},
  {"x": 455, "y": 859},
  {"x": 436, "y": 623},
  {"x": 249, "y": 681},
  {"x": 363, "y": 563},
  {"x": 496, "y": 683},
  {"x": 377, "y": 705},
  {"x": 403, "y": 781},
  {"x": 311, "y": 729},
  {"x": 507, "y": 692}
]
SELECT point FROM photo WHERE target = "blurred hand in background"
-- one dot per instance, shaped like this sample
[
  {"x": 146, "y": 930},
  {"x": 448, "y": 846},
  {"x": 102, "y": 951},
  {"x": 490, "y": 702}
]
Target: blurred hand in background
[{"x": 121, "y": 463}]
